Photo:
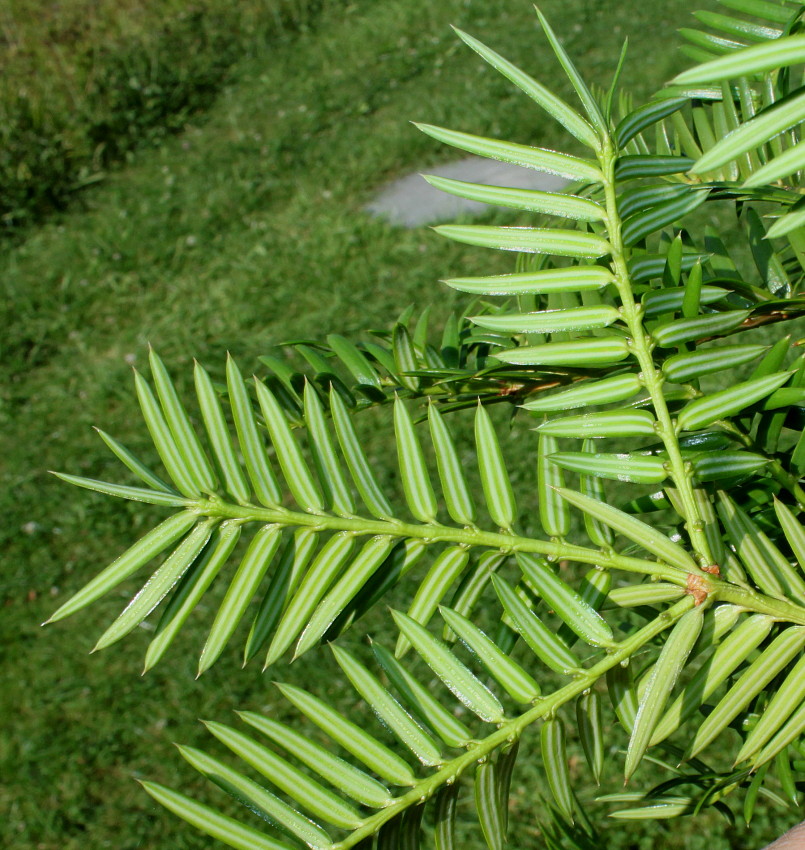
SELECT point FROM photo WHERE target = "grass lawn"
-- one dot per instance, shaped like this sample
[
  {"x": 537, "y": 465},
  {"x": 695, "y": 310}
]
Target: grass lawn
[
  {"x": 243, "y": 231},
  {"x": 84, "y": 83}
]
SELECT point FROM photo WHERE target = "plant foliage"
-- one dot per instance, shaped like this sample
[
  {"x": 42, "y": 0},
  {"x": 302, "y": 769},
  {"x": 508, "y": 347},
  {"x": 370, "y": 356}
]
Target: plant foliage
[{"x": 665, "y": 591}]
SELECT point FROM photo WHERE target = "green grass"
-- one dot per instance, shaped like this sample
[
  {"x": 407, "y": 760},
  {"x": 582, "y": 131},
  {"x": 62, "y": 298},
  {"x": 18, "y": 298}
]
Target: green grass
[
  {"x": 83, "y": 83},
  {"x": 245, "y": 230}
]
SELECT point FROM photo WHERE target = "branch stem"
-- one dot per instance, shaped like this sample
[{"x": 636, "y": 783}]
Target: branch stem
[
  {"x": 511, "y": 730},
  {"x": 652, "y": 379},
  {"x": 469, "y": 536},
  {"x": 437, "y": 533},
  {"x": 778, "y": 472}
]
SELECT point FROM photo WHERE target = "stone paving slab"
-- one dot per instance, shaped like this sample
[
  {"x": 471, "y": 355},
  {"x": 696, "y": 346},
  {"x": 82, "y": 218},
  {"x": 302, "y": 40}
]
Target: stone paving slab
[{"x": 411, "y": 201}]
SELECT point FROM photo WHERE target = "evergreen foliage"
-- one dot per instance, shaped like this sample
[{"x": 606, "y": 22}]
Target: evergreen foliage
[{"x": 671, "y": 605}]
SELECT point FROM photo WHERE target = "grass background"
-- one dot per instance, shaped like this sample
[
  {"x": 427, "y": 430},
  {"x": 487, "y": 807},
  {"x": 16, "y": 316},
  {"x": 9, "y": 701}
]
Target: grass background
[
  {"x": 85, "y": 82},
  {"x": 244, "y": 229}
]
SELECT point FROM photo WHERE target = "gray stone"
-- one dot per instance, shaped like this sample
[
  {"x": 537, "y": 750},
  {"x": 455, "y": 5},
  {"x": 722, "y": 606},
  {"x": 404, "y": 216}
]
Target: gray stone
[{"x": 411, "y": 201}]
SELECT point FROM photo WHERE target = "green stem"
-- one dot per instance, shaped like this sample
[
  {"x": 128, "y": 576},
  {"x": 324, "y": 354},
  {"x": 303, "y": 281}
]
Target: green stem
[
  {"x": 470, "y": 536},
  {"x": 787, "y": 480},
  {"x": 775, "y": 467},
  {"x": 651, "y": 377},
  {"x": 758, "y": 603},
  {"x": 511, "y": 730},
  {"x": 437, "y": 533}
]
